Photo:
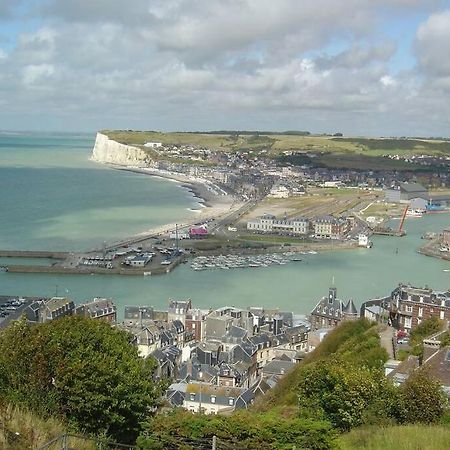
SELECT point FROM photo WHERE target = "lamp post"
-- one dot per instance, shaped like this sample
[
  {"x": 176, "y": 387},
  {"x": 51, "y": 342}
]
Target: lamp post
[{"x": 200, "y": 375}]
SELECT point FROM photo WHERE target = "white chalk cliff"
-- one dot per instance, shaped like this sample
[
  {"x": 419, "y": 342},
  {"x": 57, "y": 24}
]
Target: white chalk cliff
[{"x": 111, "y": 152}]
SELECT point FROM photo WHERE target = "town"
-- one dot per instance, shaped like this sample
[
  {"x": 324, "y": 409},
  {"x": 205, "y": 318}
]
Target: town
[{"x": 220, "y": 360}]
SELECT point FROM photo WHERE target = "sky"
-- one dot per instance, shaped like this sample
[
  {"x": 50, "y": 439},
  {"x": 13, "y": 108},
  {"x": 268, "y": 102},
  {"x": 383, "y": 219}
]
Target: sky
[{"x": 360, "y": 67}]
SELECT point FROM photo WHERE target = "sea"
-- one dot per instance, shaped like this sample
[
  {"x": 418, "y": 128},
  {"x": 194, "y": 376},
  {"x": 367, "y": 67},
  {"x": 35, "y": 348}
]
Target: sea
[{"x": 53, "y": 197}]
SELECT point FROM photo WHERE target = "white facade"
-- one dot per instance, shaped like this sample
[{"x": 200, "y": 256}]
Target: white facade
[
  {"x": 153, "y": 144},
  {"x": 279, "y": 191},
  {"x": 270, "y": 224}
]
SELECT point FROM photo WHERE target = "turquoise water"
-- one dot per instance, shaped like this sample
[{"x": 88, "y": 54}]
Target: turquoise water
[
  {"x": 358, "y": 274},
  {"x": 53, "y": 197}
]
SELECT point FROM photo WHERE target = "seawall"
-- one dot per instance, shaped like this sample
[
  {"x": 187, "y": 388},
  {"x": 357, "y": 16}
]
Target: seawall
[{"x": 111, "y": 152}]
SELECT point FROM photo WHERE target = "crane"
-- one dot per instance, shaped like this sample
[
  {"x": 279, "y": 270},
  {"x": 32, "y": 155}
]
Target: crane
[{"x": 402, "y": 221}]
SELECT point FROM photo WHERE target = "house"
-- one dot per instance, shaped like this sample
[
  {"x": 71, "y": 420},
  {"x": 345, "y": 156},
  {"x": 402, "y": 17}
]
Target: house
[
  {"x": 277, "y": 367},
  {"x": 99, "y": 309},
  {"x": 328, "y": 227},
  {"x": 279, "y": 191},
  {"x": 50, "y": 309},
  {"x": 168, "y": 360},
  {"x": 410, "y": 305},
  {"x": 153, "y": 144},
  {"x": 198, "y": 233},
  {"x": 208, "y": 399},
  {"x": 140, "y": 261},
  {"x": 330, "y": 311},
  {"x": 178, "y": 310},
  {"x": 141, "y": 315}
]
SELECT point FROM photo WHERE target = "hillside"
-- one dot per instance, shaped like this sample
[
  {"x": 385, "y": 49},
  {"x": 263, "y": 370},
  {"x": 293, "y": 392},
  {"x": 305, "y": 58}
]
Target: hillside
[{"x": 296, "y": 147}]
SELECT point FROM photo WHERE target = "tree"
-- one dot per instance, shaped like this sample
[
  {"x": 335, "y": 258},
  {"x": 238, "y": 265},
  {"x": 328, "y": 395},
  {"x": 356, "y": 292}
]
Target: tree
[
  {"x": 343, "y": 393},
  {"x": 81, "y": 370},
  {"x": 422, "y": 400}
]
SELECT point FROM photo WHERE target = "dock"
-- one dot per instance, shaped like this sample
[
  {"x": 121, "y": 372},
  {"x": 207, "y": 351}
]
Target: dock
[{"x": 386, "y": 231}]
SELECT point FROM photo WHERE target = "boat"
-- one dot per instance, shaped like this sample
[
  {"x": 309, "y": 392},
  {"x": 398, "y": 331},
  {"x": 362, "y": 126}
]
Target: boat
[
  {"x": 312, "y": 252},
  {"x": 414, "y": 213}
]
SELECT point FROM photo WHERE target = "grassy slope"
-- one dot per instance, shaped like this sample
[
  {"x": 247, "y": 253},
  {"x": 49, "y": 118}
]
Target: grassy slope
[
  {"x": 21, "y": 430},
  {"x": 356, "y": 342},
  {"x": 418, "y": 437}
]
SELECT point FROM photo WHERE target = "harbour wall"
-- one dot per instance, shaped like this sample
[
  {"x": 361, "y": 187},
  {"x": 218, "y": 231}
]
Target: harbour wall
[{"x": 111, "y": 152}]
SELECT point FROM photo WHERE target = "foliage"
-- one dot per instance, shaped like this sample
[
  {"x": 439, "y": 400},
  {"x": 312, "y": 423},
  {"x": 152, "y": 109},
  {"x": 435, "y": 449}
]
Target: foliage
[
  {"x": 425, "y": 329},
  {"x": 242, "y": 430},
  {"x": 81, "y": 370},
  {"x": 396, "y": 437},
  {"x": 445, "y": 339},
  {"x": 345, "y": 394},
  {"x": 422, "y": 400},
  {"x": 354, "y": 341}
]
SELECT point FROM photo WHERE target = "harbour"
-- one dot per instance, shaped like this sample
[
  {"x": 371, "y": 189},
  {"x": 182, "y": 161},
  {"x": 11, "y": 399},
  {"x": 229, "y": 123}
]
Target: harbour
[{"x": 360, "y": 273}]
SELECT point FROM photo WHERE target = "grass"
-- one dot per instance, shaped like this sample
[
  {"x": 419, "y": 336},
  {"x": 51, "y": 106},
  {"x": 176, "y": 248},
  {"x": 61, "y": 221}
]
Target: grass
[
  {"x": 417, "y": 437},
  {"x": 22, "y": 430},
  {"x": 279, "y": 143}
]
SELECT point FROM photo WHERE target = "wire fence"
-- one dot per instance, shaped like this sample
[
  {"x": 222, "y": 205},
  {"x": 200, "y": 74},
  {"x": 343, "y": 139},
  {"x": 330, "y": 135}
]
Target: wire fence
[{"x": 69, "y": 441}]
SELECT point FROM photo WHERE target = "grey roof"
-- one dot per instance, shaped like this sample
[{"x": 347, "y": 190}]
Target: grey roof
[
  {"x": 350, "y": 308},
  {"x": 278, "y": 367},
  {"x": 412, "y": 187}
]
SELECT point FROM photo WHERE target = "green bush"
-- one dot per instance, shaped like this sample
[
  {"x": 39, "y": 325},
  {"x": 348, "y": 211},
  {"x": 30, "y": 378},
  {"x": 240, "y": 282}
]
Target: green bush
[{"x": 80, "y": 370}]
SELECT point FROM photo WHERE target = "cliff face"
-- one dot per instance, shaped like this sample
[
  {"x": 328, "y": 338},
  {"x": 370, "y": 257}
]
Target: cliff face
[{"x": 112, "y": 152}]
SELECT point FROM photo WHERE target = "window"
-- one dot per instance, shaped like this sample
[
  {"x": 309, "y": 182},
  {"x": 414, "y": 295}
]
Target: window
[
  {"x": 407, "y": 322},
  {"x": 231, "y": 401},
  {"x": 213, "y": 399},
  {"x": 441, "y": 315},
  {"x": 409, "y": 308},
  {"x": 420, "y": 312}
]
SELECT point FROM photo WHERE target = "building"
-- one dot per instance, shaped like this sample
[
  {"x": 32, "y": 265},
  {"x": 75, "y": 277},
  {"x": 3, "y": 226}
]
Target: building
[
  {"x": 198, "y": 233},
  {"x": 279, "y": 191},
  {"x": 209, "y": 399},
  {"x": 50, "y": 309},
  {"x": 405, "y": 192},
  {"x": 329, "y": 227},
  {"x": 446, "y": 237},
  {"x": 330, "y": 311},
  {"x": 153, "y": 144},
  {"x": 99, "y": 309},
  {"x": 270, "y": 224},
  {"x": 409, "y": 305},
  {"x": 140, "y": 260}
]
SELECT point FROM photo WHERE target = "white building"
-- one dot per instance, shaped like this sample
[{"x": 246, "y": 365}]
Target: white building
[
  {"x": 153, "y": 144},
  {"x": 279, "y": 191},
  {"x": 270, "y": 224}
]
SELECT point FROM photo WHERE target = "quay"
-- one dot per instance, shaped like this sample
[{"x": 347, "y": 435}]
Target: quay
[
  {"x": 33, "y": 254},
  {"x": 386, "y": 231}
]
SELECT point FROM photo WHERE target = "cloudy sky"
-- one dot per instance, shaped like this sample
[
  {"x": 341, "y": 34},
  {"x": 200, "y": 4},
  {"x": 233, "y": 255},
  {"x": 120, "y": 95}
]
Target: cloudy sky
[{"x": 363, "y": 67}]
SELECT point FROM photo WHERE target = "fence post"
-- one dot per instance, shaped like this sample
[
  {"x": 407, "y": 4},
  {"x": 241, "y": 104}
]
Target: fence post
[
  {"x": 64, "y": 442},
  {"x": 214, "y": 442}
]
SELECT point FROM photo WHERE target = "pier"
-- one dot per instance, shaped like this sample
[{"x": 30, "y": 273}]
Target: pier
[{"x": 386, "y": 231}]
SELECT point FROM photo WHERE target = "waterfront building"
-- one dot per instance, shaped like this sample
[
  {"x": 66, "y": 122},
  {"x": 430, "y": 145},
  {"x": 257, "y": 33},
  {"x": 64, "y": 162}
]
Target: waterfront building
[
  {"x": 153, "y": 144},
  {"x": 405, "y": 192},
  {"x": 99, "y": 309},
  {"x": 410, "y": 305},
  {"x": 198, "y": 233},
  {"x": 329, "y": 227},
  {"x": 270, "y": 224},
  {"x": 331, "y": 311},
  {"x": 446, "y": 237}
]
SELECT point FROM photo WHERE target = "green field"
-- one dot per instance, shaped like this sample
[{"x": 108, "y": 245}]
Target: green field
[{"x": 324, "y": 151}]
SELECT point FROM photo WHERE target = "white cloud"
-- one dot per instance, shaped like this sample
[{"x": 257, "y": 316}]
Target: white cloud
[{"x": 196, "y": 64}]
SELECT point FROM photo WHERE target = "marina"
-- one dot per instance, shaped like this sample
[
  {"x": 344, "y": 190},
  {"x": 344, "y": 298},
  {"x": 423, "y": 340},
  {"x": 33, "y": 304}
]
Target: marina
[{"x": 227, "y": 262}]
